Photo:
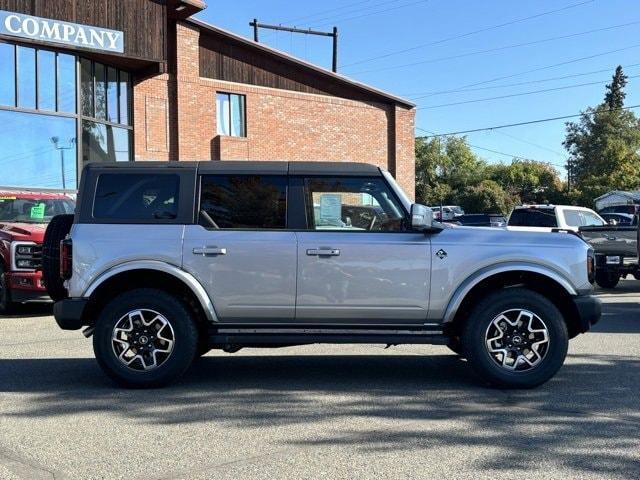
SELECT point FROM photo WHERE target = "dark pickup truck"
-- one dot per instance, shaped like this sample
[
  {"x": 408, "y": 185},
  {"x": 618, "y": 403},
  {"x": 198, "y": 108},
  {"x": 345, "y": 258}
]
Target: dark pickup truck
[{"x": 616, "y": 248}]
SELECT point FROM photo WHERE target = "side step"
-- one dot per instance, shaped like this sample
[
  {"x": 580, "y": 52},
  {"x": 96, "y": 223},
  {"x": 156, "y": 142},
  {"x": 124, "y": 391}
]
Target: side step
[{"x": 257, "y": 336}]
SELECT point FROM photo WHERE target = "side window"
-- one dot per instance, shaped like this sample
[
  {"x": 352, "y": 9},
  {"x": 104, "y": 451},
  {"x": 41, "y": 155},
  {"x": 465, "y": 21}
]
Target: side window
[
  {"x": 572, "y": 218},
  {"x": 243, "y": 202},
  {"x": 352, "y": 204},
  {"x": 591, "y": 220},
  {"x": 136, "y": 197}
]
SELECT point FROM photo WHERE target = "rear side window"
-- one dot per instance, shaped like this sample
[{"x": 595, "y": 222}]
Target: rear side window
[
  {"x": 243, "y": 202},
  {"x": 573, "y": 218},
  {"x": 136, "y": 197},
  {"x": 533, "y": 217}
]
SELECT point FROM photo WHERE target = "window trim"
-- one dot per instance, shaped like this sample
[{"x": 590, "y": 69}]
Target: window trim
[
  {"x": 287, "y": 196},
  {"x": 406, "y": 224},
  {"x": 230, "y": 119}
]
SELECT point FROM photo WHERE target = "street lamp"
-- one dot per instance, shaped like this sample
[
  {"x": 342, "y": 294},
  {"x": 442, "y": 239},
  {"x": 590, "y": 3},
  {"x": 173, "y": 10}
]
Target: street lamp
[{"x": 58, "y": 146}]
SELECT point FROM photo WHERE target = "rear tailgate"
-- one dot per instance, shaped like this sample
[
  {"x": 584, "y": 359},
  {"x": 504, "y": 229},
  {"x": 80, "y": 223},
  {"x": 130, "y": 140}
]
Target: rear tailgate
[{"x": 612, "y": 240}]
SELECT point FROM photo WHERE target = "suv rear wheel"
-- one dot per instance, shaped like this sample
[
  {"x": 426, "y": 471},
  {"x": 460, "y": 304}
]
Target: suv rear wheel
[
  {"x": 516, "y": 338},
  {"x": 145, "y": 338},
  {"x": 607, "y": 279}
]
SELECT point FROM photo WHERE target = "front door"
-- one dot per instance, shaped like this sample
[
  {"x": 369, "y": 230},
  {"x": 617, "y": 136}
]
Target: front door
[
  {"x": 358, "y": 262},
  {"x": 240, "y": 250}
]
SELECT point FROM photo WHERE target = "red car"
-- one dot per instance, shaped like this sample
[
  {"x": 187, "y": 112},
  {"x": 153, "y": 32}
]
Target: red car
[{"x": 23, "y": 220}]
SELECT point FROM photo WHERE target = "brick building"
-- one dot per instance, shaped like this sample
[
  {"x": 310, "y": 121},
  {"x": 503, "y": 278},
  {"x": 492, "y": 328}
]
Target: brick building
[{"x": 141, "y": 79}]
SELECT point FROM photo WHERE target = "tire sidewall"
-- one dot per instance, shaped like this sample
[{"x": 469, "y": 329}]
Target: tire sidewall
[
  {"x": 482, "y": 361},
  {"x": 185, "y": 338},
  {"x": 5, "y": 294}
]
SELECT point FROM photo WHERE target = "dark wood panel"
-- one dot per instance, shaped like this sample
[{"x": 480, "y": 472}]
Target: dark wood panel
[
  {"x": 142, "y": 21},
  {"x": 223, "y": 58}
]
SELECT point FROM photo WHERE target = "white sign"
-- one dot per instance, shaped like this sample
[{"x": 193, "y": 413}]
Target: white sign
[
  {"x": 56, "y": 31},
  {"x": 331, "y": 209}
]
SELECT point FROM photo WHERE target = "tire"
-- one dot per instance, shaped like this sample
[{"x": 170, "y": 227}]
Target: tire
[
  {"x": 455, "y": 346},
  {"x": 6, "y": 304},
  {"x": 519, "y": 305},
  {"x": 636, "y": 275},
  {"x": 174, "y": 344},
  {"x": 57, "y": 230},
  {"x": 607, "y": 279}
]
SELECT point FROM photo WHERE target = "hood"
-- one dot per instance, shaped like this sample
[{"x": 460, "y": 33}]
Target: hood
[{"x": 32, "y": 232}]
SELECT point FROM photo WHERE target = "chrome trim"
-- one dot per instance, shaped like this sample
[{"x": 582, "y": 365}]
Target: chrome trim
[{"x": 14, "y": 246}]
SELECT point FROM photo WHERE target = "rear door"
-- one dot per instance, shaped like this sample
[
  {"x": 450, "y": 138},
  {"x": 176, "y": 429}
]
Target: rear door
[
  {"x": 358, "y": 262},
  {"x": 240, "y": 248}
]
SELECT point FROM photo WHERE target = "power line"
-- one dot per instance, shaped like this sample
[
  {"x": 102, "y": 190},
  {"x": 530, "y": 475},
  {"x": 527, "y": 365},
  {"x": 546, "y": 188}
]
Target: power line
[
  {"x": 374, "y": 13},
  {"x": 510, "y": 155},
  {"x": 533, "y": 144},
  {"x": 498, "y": 49},
  {"x": 532, "y": 92},
  {"x": 530, "y": 82},
  {"x": 546, "y": 67},
  {"x": 529, "y": 122},
  {"x": 463, "y": 35},
  {"x": 323, "y": 12}
]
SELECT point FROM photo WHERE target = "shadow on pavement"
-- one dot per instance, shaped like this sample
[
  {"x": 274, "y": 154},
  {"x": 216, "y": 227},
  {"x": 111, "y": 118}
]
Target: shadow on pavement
[
  {"x": 29, "y": 310},
  {"x": 619, "y": 317},
  {"x": 587, "y": 419}
]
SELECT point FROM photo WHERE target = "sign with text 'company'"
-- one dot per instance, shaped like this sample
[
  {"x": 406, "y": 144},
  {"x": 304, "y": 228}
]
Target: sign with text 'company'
[{"x": 56, "y": 31}]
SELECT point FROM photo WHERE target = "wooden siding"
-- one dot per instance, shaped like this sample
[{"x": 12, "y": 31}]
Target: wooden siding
[
  {"x": 142, "y": 21},
  {"x": 223, "y": 58}
]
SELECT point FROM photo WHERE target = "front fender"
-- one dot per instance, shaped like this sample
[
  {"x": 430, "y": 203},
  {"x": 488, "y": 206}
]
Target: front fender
[
  {"x": 189, "y": 280},
  {"x": 467, "y": 285}
]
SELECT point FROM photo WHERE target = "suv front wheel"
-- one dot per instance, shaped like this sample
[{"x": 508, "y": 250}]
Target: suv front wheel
[
  {"x": 516, "y": 338},
  {"x": 145, "y": 338}
]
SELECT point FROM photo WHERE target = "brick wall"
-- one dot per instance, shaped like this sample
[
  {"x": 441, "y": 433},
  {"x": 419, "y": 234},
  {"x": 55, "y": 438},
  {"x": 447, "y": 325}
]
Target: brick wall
[{"x": 281, "y": 124}]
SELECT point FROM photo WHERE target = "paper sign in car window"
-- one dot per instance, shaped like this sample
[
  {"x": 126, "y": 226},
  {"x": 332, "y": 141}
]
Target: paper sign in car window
[
  {"x": 331, "y": 208},
  {"x": 37, "y": 212},
  {"x": 3, "y": 198}
]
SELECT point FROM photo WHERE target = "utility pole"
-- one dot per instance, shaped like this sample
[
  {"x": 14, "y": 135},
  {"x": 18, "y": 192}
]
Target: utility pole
[
  {"x": 61, "y": 149},
  {"x": 308, "y": 31}
]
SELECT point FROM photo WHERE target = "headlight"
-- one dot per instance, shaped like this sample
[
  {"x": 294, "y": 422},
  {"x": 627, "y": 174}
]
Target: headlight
[
  {"x": 26, "y": 256},
  {"x": 24, "y": 250}
]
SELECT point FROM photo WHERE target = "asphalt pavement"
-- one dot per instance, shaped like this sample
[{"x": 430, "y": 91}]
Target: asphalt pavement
[{"x": 336, "y": 412}]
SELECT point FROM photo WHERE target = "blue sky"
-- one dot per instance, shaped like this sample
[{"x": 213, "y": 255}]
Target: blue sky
[{"x": 380, "y": 28}]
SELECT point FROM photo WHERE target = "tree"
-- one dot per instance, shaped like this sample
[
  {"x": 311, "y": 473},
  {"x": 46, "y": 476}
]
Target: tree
[
  {"x": 445, "y": 167},
  {"x": 604, "y": 145},
  {"x": 530, "y": 180},
  {"x": 487, "y": 197}
]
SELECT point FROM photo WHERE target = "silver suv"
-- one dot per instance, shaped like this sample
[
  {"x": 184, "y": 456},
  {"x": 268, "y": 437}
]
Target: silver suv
[{"x": 164, "y": 261}]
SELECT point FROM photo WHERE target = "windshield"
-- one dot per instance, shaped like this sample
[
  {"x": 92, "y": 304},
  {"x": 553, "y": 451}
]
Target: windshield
[{"x": 33, "y": 210}]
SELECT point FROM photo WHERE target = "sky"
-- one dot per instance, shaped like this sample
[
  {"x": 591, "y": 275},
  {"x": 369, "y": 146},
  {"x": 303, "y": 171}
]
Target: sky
[{"x": 429, "y": 50}]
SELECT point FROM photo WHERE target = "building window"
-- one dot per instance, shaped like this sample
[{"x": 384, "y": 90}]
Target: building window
[
  {"x": 40, "y": 143},
  {"x": 230, "y": 109},
  {"x": 106, "y": 120}
]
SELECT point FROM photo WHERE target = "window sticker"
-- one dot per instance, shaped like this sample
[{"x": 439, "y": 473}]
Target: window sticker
[
  {"x": 330, "y": 209},
  {"x": 2, "y": 198},
  {"x": 37, "y": 212}
]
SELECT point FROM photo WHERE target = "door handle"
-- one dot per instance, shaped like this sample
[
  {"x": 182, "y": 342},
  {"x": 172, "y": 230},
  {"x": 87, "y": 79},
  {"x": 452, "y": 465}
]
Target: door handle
[
  {"x": 323, "y": 252},
  {"x": 209, "y": 251}
]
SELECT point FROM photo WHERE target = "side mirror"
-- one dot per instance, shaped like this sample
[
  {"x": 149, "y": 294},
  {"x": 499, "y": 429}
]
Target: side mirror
[{"x": 421, "y": 217}]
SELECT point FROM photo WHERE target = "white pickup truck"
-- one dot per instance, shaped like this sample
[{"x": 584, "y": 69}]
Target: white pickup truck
[{"x": 545, "y": 218}]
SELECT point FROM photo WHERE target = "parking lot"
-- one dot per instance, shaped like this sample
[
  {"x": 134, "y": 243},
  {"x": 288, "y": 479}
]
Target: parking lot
[{"x": 320, "y": 411}]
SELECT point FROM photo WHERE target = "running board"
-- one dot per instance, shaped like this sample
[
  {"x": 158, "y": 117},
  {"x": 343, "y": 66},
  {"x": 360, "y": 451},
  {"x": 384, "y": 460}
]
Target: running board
[{"x": 255, "y": 336}]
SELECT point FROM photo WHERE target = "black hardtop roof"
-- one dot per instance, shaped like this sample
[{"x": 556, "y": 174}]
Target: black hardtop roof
[{"x": 244, "y": 166}]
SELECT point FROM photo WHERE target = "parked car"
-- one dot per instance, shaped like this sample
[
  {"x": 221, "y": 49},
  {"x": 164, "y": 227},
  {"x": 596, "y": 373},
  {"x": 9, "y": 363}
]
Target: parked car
[
  {"x": 545, "y": 218},
  {"x": 482, "y": 220},
  {"x": 628, "y": 209},
  {"x": 445, "y": 213},
  {"x": 616, "y": 250},
  {"x": 623, "y": 219},
  {"x": 164, "y": 261},
  {"x": 23, "y": 220}
]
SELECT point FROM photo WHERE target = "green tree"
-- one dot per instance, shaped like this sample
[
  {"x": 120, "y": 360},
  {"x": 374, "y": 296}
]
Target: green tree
[
  {"x": 487, "y": 197},
  {"x": 444, "y": 168},
  {"x": 604, "y": 146},
  {"x": 532, "y": 181}
]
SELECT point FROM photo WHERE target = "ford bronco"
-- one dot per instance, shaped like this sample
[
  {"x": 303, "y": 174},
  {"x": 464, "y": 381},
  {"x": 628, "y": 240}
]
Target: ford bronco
[
  {"x": 165, "y": 261},
  {"x": 23, "y": 220}
]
